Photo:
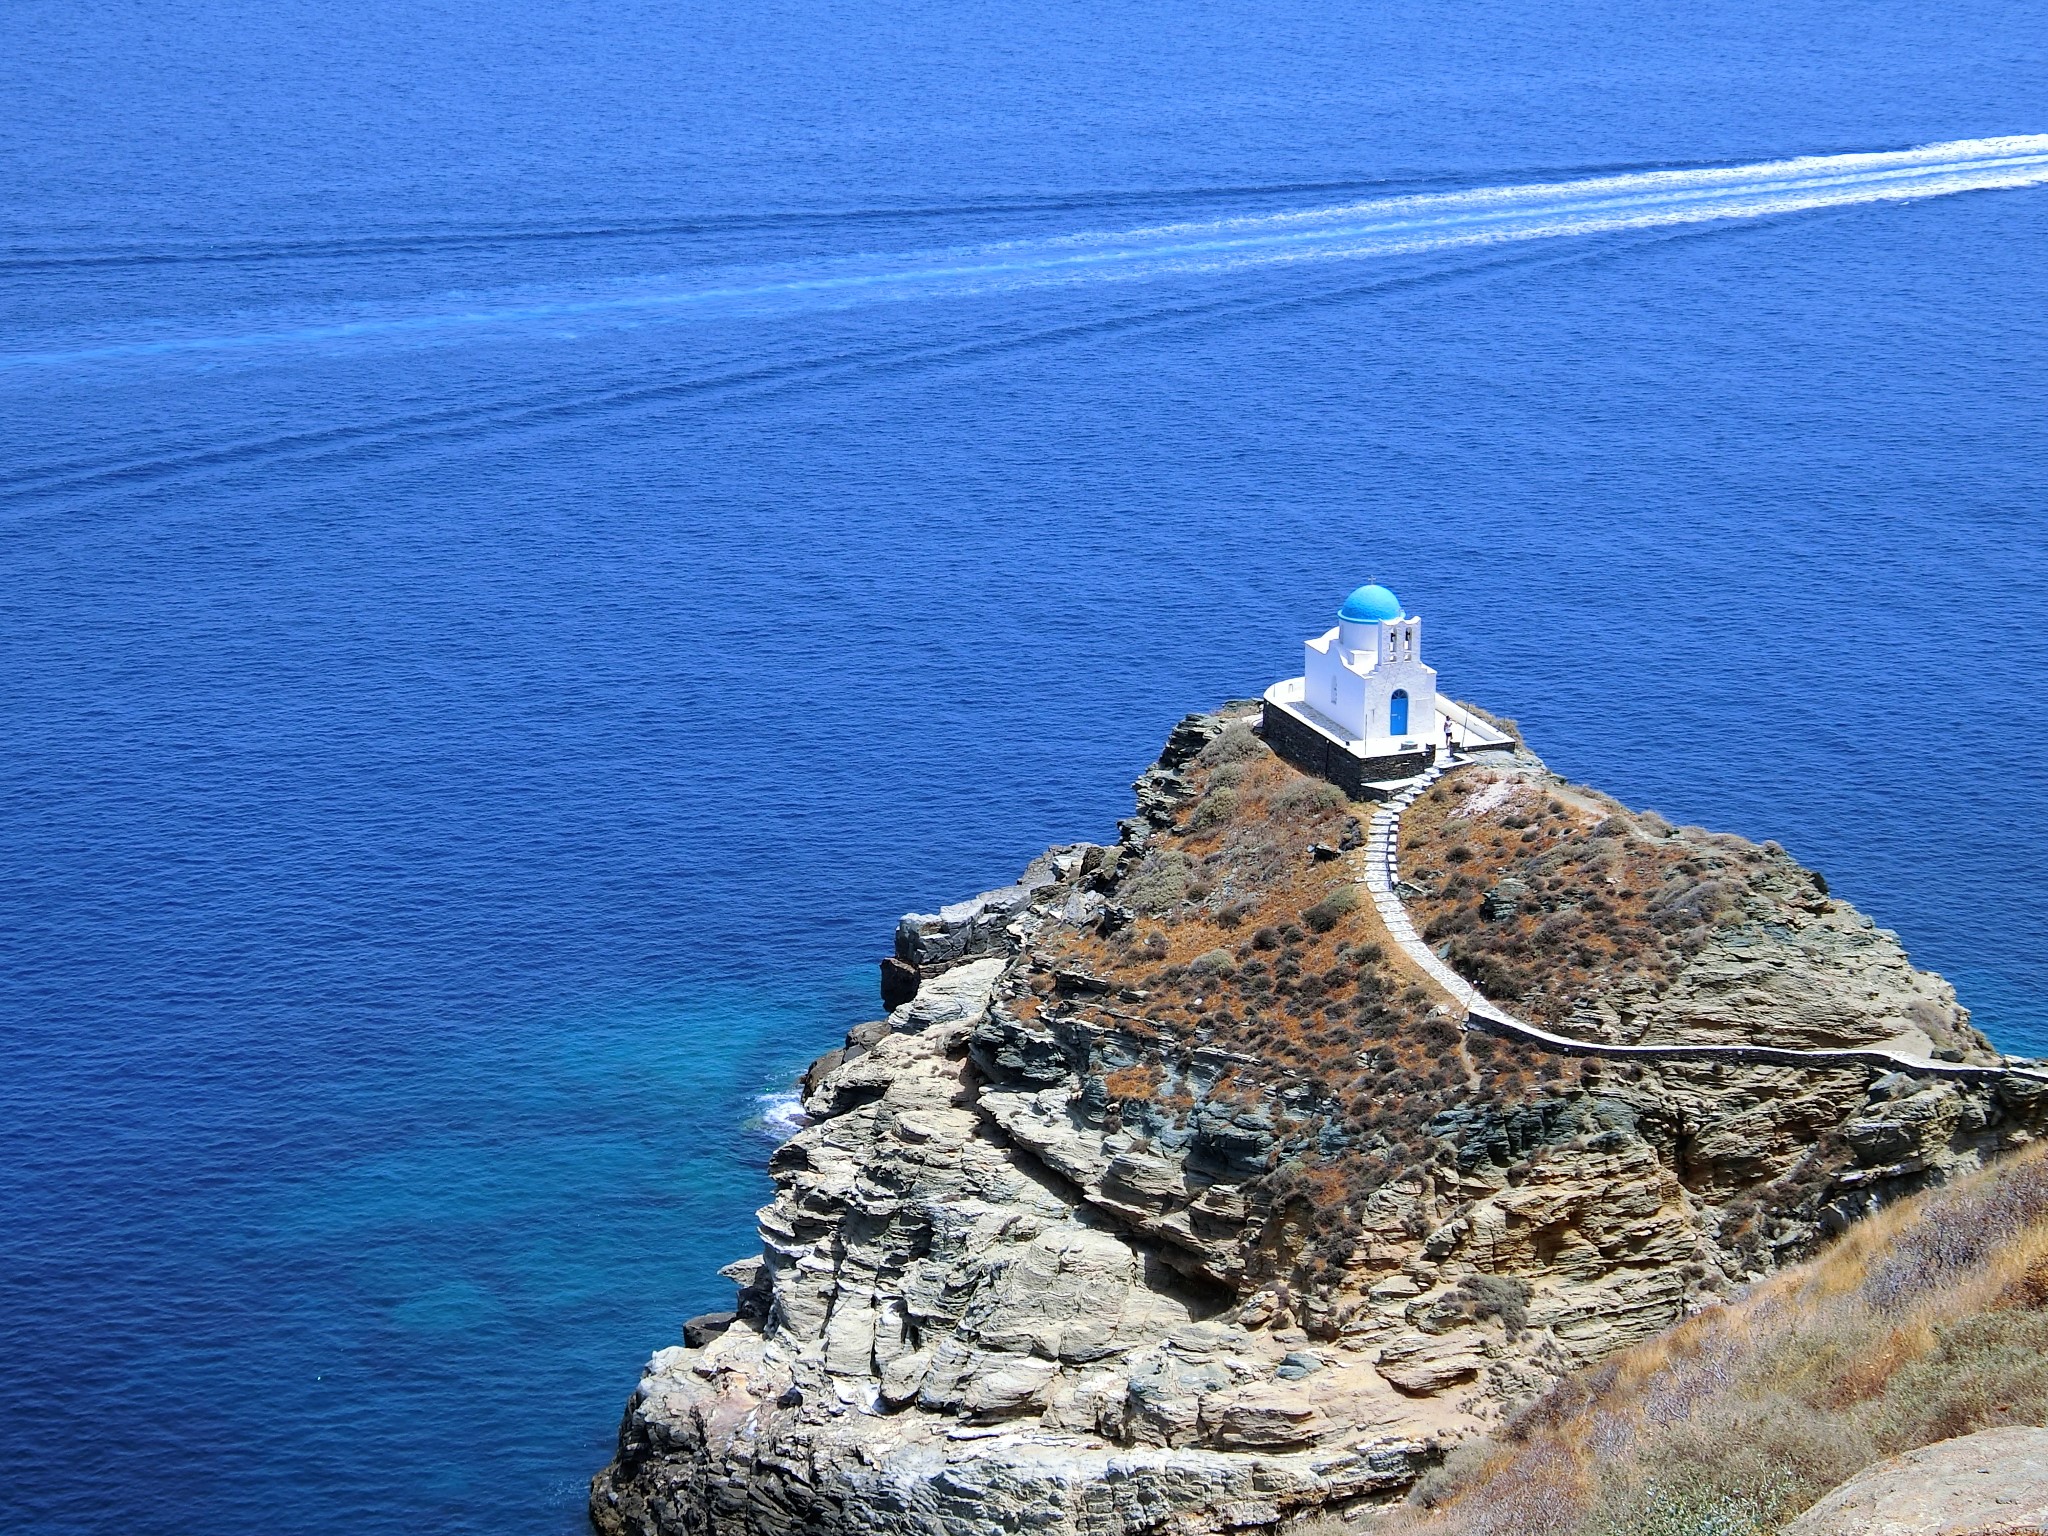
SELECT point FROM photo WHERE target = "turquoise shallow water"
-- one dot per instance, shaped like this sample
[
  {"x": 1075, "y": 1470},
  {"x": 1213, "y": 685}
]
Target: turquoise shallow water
[{"x": 532, "y": 533}]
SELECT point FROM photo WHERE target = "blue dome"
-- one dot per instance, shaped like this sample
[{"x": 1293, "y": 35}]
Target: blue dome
[{"x": 1370, "y": 605}]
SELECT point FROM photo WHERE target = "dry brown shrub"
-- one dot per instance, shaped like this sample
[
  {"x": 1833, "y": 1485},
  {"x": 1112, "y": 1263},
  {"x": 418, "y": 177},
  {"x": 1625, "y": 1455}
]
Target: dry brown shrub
[
  {"x": 1544, "y": 1491},
  {"x": 2024, "y": 1279},
  {"x": 1141, "y": 1080}
]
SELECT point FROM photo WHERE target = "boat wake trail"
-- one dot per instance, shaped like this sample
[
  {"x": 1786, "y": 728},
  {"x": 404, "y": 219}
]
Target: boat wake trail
[
  {"x": 534, "y": 414},
  {"x": 1384, "y": 227}
]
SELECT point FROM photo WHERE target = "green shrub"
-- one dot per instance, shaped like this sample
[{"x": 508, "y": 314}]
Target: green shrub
[
  {"x": 1328, "y": 912},
  {"x": 1736, "y": 1466},
  {"x": 1215, "y": 962},
  {"x": 1158, "y": 883},
  {"x": 1214, "y": 808},
  {"x": 1466, "y": 1458},
  {"x": 1687, "y": 1509},
  {"x": 1308, "y": 797},
  {"x": 1238, "y": 744}
]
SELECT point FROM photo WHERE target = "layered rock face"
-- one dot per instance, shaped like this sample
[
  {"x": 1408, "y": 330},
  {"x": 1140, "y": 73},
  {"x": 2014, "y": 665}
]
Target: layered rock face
[{"x": 1173, "y": 1200}]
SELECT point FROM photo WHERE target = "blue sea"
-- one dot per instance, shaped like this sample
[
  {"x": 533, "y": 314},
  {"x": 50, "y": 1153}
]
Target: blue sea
[{"x": 531, "y": 533}]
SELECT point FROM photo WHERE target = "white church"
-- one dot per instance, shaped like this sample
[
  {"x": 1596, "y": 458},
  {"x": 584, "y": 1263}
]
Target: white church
[{"x": 1365, "y": 710}]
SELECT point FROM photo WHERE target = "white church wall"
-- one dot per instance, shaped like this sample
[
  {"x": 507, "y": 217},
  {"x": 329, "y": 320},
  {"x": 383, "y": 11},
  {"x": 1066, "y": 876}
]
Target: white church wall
[
  {"x": 1318, "y": 661},
  {"x": 1390, "y": 653},
  {"x": 1419, "y": 683},
  {"x": 1403, "y": 640},
  {"x": 1331, "y": 688},
  {"x": 1346, "y": 692}
]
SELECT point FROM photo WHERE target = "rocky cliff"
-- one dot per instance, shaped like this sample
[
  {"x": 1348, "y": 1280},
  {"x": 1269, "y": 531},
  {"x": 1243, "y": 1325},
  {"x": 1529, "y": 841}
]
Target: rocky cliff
[{"x": 1176, "y": 1198}]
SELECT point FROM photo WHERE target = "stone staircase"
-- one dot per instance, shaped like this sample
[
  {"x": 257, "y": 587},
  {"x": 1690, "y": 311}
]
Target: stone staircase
[{"x": 1383, "y": 876}]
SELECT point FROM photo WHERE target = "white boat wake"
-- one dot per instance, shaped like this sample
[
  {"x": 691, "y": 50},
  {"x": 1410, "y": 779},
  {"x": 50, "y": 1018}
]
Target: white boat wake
[{"x": 1395, "y": 226}]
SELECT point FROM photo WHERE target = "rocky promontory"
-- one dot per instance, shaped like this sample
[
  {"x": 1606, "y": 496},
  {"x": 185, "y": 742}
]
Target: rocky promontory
[{"x": 1174, "y": 1195}]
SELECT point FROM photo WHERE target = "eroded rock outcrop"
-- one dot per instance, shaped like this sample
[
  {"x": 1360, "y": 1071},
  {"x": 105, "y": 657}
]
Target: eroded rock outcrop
[{"x": 1174, "y": 1200}]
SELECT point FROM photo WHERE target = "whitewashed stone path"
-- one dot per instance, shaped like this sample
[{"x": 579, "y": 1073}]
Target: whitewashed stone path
[
  {"x": 1382, "y": 881},
  {"x": 1383, "y": 874}
]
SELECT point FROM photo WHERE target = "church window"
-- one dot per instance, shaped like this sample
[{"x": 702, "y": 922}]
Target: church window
[{"x": 1397, "y": 713}]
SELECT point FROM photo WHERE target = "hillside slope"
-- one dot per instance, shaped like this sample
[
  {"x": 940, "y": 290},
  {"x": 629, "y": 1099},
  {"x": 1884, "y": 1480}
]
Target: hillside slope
[
  {"x": 1926, "y": 1322},
  {"x": 1178, "y": 1193}
]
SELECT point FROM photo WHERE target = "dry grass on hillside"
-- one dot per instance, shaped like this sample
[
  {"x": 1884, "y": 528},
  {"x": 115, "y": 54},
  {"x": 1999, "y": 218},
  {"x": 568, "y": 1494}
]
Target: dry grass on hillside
[
  {"x": 1245, "y": 939},
  {"x": 1927, "y": 1321},
  {"x": 1547, "y": 893}
]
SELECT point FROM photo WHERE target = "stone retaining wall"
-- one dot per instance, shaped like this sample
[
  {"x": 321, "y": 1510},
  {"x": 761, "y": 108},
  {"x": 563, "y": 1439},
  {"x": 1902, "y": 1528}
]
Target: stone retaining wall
[
  {"x": 1491, "y": 1021},
  {"x": 1312, "y": 752}
]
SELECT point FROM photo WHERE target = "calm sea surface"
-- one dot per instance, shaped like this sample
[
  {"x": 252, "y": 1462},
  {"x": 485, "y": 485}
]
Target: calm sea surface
[{"x": 532, "y": 532}]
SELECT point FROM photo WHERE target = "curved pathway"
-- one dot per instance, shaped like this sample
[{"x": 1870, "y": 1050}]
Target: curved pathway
[{"x": 1383, "y": 877}]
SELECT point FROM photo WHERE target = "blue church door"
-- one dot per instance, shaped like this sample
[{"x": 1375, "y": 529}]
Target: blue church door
[{"x": 1397, "y": 713}]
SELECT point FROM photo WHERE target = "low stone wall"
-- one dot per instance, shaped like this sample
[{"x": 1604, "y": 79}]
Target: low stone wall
[
  {"x": 1312, "y": 752},
  {"x": 1493, "y": 1021},
  {"x": 1308, "y": 750}
]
